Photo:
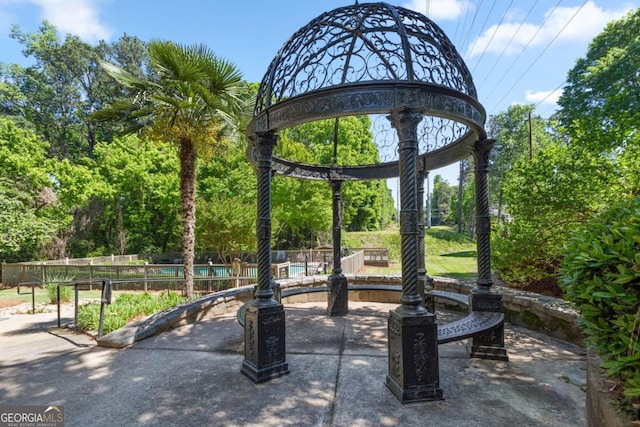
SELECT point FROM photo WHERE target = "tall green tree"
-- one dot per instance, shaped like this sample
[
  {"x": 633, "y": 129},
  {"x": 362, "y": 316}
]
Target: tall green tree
[
  {"x": 366, "y": 205},
  {"x": 193, "y": 99},
  {"x": 140, "y": 196},
  {"x": 518, "y": 133},
  {"x": 64, "y": 86},
  {"x": 549, "y": 197},
  {"x": 593, "y": 161},
  {"x": 29, "y": 214},
  {"x": 226, "y": 225},
  {"x": 226, "y": 203},
  {"x": 441, "y": 197},
  {"x": 600, "y": 105}
]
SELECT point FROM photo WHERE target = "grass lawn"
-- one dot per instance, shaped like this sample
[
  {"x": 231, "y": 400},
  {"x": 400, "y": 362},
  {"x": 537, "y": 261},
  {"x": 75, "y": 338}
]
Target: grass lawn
[
  {"x": 10, "y": 297},
  {"x": 448, "y": 254}
]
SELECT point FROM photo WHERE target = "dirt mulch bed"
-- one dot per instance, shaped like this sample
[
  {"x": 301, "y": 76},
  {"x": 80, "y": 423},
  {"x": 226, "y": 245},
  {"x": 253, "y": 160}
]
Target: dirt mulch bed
[
  {"x": 4, "y": 303},
  {"x": 548, "y": 286}
]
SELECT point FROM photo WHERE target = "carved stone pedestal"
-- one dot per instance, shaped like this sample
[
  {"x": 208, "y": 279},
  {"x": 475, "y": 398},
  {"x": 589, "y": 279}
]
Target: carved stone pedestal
[
  {"x": 413, "y": 374},
  {"x": 338, "y": 295},
  {"x": 489, "y": 345},
  {"x": 264, "y": 342}
]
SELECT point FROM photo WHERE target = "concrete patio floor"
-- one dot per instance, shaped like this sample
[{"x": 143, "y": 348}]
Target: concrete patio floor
[{"x": 191, "y": 376}]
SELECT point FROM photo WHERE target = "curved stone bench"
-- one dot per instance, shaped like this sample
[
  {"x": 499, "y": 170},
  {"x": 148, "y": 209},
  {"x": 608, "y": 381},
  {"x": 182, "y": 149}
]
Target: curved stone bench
[
  {"x": 451, "y": 296},
  {"x": 474, "y": 324},
  {"x": 551, "y": 316}
]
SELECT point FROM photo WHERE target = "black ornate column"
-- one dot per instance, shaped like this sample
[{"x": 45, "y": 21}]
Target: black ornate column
[
  {"x": 425, "y": 283},
  {"x": 338, "y": 295},
  {"x": 413, "y": 373},
  {"x": 264, "y": 327},
  {"x": 484, "y": 298}
]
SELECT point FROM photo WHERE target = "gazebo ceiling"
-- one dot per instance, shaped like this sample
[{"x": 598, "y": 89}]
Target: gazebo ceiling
[{"x": 371, "y": 58}]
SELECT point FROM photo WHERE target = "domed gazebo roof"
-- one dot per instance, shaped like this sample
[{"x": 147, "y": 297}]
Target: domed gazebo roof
[{"x": 371, "y": 58}]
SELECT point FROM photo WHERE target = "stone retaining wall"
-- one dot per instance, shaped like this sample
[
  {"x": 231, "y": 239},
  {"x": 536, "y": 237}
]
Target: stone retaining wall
[
  {"x": 549, "y": 315},
  {"x": 599, "y": 405}
]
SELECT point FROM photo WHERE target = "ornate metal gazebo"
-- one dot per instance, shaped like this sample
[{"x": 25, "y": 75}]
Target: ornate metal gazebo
[{"x": 398, "y": 67}]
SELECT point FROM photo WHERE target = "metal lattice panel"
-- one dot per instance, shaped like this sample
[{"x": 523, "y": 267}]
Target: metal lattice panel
[
  {"x": 371, "y": 59},
  {"x": 364, "y": 43}
]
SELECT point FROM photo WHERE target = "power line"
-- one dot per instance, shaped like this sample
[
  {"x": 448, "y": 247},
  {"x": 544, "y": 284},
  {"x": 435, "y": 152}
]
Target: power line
[
  {"x": 465, "y": 13},
  {"x": 481, "y": 29},
  {"x": 525, "y": 48},
  {"x": 492, "y": 36},
  {"x": 547, "y": 97},
  {"x": 508, "y": 44},
  {"x": 541, "y": 53},
  {"x": 631, "y": 52}
]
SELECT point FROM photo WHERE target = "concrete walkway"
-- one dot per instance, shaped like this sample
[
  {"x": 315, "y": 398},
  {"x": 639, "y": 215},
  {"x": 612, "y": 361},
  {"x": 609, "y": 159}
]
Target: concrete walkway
[{"x": 190, "y": 376}]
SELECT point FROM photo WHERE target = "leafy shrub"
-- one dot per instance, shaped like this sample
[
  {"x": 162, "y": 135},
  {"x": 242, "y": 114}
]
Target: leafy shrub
[
  {"x": 126, "y": 308},
  {"x": 524, "y": 252},
  {"x": 549, "y": 198},
  {"x": 601, "y": 275},
  {"x": 66, "y": 292}
]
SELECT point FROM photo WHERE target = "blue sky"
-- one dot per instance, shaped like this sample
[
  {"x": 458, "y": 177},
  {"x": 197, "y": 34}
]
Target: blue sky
[{"x": 518, "y": 51}]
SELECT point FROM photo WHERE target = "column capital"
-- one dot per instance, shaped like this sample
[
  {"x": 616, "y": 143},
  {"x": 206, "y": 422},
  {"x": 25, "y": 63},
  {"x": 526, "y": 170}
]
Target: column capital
[
  {"x": 265, "y": 142},
  {"x": 482, "y": 149},
  {"x": 405, "y": 121},
  {"x": 270, "y": 137},
  {"x": 336, "y": 184}
]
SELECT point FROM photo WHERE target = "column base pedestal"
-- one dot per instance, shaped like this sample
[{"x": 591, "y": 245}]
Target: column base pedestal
[
  {"x": 338, "y": 295},
  {"x": 264, "y": 341},
  {"x": 489, "y": 345},
  {"x": 413, "y": 374}
]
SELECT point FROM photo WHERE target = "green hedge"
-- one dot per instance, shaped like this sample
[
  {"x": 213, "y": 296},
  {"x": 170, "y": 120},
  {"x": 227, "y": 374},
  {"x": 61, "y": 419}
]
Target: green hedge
[{"x": 601, "y": 275}]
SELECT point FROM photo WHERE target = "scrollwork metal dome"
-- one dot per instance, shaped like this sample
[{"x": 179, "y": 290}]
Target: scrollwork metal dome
[{"x": 371, "y": 58}]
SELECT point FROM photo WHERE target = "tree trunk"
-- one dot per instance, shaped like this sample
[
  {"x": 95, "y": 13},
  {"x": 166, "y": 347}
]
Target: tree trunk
[{"x": 188, "y": 210}]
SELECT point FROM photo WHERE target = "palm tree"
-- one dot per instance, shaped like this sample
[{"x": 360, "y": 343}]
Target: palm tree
[{"x": 191, "y": 98}]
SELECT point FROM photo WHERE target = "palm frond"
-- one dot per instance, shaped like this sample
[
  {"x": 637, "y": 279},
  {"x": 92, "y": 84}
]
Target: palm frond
[
  {"x": 122, "y": 76},
  {"x": 190, "y": 87},
  {"x": 173, "y": 61},
  {"x": 129, "y": 115},
  {"x": 118, "y": 110}
]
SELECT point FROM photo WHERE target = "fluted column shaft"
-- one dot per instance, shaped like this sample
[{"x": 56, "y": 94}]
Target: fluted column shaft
[
  {"x": 425, "y": 283},
  {"x": 422, "y": 174},
  {"x": 336, "y": 187},
  {"x": 481, "y": 151},
  {"x": 406, "y": 122},
  {"x": 265, "y": 145}
]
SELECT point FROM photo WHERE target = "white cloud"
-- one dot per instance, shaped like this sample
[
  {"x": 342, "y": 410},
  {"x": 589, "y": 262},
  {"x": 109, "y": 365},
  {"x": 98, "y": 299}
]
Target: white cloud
[
  {"x": 6, "y": 17},
  {"x": 439, "y": 9},
  {"x": 587, "y": 23},
  {"x": 545, "y": 97},
  {"x": 79, "y": 17}
]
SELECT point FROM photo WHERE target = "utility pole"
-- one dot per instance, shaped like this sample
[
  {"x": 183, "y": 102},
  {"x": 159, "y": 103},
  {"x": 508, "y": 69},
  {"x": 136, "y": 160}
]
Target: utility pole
[{"x": 530, "y": 138}]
